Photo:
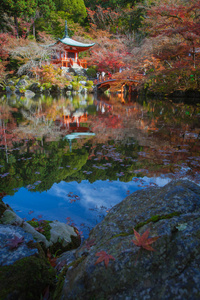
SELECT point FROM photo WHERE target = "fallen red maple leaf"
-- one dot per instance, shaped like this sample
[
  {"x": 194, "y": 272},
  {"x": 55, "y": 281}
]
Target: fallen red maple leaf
[
  {"x": 15, "y": 242},
  {"x": 89, "y": 244},
  {"x": 103, "y": 256},
  {"x": 143, "y": 240},
  {"x": 39, "y": 229}
]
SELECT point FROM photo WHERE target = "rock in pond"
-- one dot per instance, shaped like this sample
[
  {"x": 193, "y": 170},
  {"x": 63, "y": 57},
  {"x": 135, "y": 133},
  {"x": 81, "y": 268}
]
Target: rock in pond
[
  {"x": 50, "y": 234},
  {"x": 25, "y": 271},
  {"x": 29, "y": 94},
  {"x": 14, "y": 244},
  {"x": 22, "y": 82},
  {"x": 109, "y": 265}
]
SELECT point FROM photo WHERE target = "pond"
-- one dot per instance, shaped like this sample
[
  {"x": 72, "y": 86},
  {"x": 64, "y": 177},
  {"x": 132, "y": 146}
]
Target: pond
[{"x": 72, "y": 159}]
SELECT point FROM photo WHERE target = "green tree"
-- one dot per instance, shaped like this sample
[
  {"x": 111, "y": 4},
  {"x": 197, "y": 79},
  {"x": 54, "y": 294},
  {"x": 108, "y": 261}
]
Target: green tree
[
  {"x": 17, "y": 9},
  {"x": 26, "y": 9},
  {"x": 76, "y": 9},
  {"x": 44, "y": 9}
]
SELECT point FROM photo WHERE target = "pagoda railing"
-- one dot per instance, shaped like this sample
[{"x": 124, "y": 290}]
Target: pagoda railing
[
  {"x": 69, "y": 62},
  {"x": 82, "y": 63}
]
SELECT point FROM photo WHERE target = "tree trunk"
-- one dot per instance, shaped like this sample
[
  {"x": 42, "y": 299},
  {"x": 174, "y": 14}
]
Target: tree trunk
[
  {"x": 16, "y": 26},
  {"x": 194, "y": 57},
  {"x": 34, "y": 27}
]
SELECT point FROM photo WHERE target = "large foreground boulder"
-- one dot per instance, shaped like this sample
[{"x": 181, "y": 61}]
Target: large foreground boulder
[{"x": 110, "y": 266}]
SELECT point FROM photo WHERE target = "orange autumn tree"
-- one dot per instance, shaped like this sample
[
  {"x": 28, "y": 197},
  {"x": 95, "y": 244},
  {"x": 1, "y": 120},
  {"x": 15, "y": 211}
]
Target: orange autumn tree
[{"x": 50, "y": 75}]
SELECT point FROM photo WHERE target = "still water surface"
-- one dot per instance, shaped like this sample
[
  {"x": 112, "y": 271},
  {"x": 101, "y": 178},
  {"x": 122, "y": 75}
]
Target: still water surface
[{"x": 72, "y": 159}]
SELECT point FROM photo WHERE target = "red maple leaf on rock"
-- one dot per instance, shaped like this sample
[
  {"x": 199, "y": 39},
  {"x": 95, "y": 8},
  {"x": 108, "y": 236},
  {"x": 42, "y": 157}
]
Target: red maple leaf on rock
[
  {"x": 103, "y": 256},
  {"x": 143, "y": 240},
  {"x": 15, "y": 242},
  {"x": 89, "y": 244}
]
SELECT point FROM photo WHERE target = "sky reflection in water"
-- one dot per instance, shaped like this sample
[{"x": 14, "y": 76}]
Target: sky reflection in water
[{"x": 95, "y": 200}]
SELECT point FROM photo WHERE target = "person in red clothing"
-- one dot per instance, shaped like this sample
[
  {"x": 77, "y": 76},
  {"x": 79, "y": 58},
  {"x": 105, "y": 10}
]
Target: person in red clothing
[{"x": 109, "y": 75}]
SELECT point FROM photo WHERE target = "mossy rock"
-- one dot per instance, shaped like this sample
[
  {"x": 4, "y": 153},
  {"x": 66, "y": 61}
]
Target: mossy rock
[
  {"x": 58, "y": 248},
  {"x": 75, "y": 86},
  {"x": 89, "y": 83},
  {"x": 26, "y": 279},
  {"x": 12, "y": 88},
  {"x": 90, "y": 89},
  {"x": 3, "y": 207},
  {"x": 57, "y": 238}
]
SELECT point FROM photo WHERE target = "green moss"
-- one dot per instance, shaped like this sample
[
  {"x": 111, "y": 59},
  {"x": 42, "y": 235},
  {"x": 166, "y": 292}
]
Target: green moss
[
  {"x": 89, "y": 83},
  {"x": 157, "y": 218},
  {"x": 42, "y": 226},
  {"x": 59, "y": 285},
  {"x": 75, "y": 86},
  {"x": 12, "y": 88},
  {"x": 89, "y": 89},
  {"x": 26, "y": 278},
  {"x": 46, "y": 85},
  {"x": 153, "y": 219},
  {"x": 123, "y": 234},
  {"x": 61, "y": 277}
]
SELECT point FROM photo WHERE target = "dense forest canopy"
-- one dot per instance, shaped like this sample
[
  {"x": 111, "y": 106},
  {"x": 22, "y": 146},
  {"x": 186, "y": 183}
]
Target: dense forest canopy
[{"x": 159, "y": 39}]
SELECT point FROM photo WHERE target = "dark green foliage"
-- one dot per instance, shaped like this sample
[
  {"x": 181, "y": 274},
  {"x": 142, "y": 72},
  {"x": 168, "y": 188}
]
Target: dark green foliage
[
  {"x": 111, "y": 3},
  {"x": 26, "y": 279},
  {"x": 18, "y": 8},
  {"x": 76, "y": 9},
  {"x": 91, "y": 72},
  {"x": 48, "y": 168}
]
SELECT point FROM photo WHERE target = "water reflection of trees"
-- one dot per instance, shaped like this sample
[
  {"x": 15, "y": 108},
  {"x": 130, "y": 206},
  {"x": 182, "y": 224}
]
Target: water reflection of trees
[
  {"x": 40, "y": 169},
  {"x": 135, "y": 139}
]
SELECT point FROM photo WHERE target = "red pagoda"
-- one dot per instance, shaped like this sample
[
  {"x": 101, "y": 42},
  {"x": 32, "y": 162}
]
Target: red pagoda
[{"x": 67, "y": 51}]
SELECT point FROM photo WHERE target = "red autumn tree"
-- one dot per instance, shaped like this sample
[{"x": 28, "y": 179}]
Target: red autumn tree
[
  {"x": 3, "y": 55},
  {"x": 181, "y": 23},
  {"x": 174, "y": 58},
  {"x": 109, "y": 52},
  {"x": 101, "y": 18}
]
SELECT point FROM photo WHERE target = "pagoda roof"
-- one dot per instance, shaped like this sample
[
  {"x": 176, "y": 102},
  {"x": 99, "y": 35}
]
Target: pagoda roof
[{"x": 70, "y": 42}]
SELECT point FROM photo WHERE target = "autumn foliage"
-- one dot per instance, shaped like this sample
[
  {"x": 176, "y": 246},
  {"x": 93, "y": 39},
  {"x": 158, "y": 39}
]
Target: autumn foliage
[
  {"x": 175, "y": 32},
  {"x": 159, "y": 40}
]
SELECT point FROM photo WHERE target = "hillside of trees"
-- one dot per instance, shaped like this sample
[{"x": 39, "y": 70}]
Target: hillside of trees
[{"x": 158, "y": 39}]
